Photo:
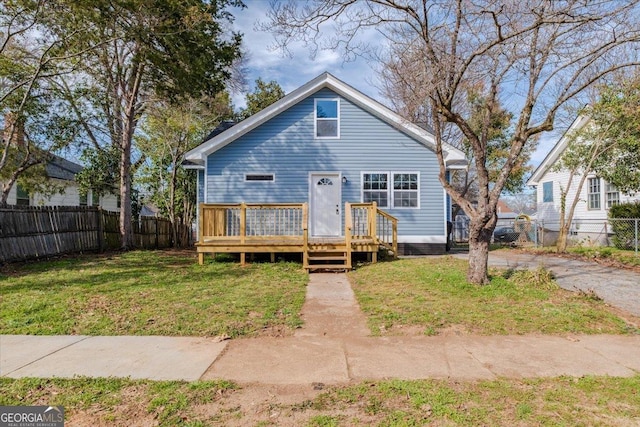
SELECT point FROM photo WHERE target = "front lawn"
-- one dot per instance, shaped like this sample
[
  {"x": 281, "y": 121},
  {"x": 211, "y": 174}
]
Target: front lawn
[
  {"x": 432, "y": 294},
  {"x": 150, "y": 293},
  {"x": 587, "y": 401}
]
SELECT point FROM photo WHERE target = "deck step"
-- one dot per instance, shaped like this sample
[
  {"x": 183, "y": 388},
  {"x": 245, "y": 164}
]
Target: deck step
[
  {"x": 327, "y": 258},
  {"x": 327, "y": 267}
]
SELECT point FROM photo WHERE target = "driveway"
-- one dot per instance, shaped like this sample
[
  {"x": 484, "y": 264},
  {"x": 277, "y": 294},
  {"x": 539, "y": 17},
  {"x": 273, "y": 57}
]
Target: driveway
[{"x": 616, "y": 286}]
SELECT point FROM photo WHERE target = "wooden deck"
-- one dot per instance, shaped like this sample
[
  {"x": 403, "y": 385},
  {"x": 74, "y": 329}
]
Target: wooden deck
[{"x": 283, "y": 228}]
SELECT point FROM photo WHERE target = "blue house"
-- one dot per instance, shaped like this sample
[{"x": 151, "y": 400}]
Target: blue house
[{"x": 324, "y": 171}]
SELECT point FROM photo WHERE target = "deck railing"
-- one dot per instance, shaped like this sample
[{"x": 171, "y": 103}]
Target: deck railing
[
  {"x": 367, "y": 221},
  {"x": 251, "y": 220}
]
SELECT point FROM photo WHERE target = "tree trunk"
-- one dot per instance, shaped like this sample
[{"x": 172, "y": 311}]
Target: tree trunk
[
  {"x": 479, "y": 239},
  {"x": 478, "y": 258},
  {"x": 126, "y": 232},
  {"x": 562, "y": 236}
]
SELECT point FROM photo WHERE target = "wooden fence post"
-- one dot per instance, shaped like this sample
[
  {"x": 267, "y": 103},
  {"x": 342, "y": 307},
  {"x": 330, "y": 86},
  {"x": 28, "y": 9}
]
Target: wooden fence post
[{"x": 100, "y": 230}]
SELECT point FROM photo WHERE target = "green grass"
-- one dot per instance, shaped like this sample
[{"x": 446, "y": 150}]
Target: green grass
[
  {"x": 150, "y": 293},
  {"x": 585, "y": 401},
  {"x": 550, "y": 401},
  {"x": 621, "y": 257},
  {"x": 117, "y": 401},
  {"x": 432, "y": 294},
  {"x": 629, "y": 258}
]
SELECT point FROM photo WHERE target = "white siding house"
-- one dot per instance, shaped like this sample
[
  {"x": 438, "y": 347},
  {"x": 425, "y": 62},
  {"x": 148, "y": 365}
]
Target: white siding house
[
  {"x": 61, "y": 173},
  {"x": 595, "y": 199}
]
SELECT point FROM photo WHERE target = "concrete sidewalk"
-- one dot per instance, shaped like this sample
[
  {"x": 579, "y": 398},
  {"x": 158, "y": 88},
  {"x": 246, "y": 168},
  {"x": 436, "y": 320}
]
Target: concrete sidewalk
[
  {"x": 331, "y": 348},
  {"x": 304, "y": 360}
]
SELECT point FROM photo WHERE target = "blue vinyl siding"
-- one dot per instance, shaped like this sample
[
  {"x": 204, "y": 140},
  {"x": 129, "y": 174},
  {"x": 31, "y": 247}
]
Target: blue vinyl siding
[{"x": 286, "y": 147}]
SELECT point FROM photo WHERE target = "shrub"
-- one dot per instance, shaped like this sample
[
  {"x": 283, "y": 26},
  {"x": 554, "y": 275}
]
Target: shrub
[{"x": 624, "y": 231}]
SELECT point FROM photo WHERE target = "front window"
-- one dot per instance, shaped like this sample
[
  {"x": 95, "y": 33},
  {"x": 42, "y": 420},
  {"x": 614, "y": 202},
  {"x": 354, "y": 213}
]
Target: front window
[
  {"x": 375, "y": 188},
  {"x": 327, "y": 118},
  {"x": 22, "y": 196},
  {"x": 594, "y": 193},
  {"x": 613, "y": 195},
  {"x": 83, "y": 199},
  {"x": 402, "y": 193},
  {"x": 405, "y": 190},
  {"x": 547, "y": 192},
  {"x": 95, "y": 199}
]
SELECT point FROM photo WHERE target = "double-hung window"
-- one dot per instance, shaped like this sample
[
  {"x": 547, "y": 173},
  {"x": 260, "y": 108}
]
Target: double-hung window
[
  {"x": 594, "y": 193},
  {"x": 22, "y": 196},
  {"x": 547, "y": 191},
  {"x": 375, "y": 188},
  {"x": 405, "y": 190},
  {"x": 613, "y": 195},
  {"x": 327, "y": 118},
  {"x": 391, "y": 189}
]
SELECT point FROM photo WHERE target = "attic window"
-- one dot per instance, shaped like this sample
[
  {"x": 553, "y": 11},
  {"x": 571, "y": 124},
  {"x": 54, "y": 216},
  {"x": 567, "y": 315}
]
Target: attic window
[
  {"x": 327, "y": 118},
  {"x": 259, "y": 177}
]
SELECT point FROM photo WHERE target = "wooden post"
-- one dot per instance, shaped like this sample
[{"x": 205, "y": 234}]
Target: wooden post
[
  {"x": 373, "y": 230},
  {"x": 305, "y": 237},
  {"x": 200, "y": 222},
  {"x": 348, "y": 225},
  {"x": 243, "y": 231},
  {"x": 201, "y": 258},
  {"x": 100, "y": 219}
]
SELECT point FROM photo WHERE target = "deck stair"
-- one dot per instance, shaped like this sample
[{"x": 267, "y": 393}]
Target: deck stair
[{"x": 331, "y": 257}]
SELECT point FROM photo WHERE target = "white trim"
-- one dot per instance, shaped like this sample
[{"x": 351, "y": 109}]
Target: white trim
[
  {"x": 392, "y": 190},
  {"x": 272, "y": 180},
  {"x": 324, "y": 80},
  {"x": 362, "y": 173},
  {"x": 193, "y": 166},
  {"x": 422, "y": 239},
  {"x": 206, "y": 180},
  {"x": 315, "y": 118},
  {"x": 557, "y": 150}
]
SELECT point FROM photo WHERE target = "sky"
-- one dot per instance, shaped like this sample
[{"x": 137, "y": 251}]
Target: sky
[{"x": 294, "y": 70}]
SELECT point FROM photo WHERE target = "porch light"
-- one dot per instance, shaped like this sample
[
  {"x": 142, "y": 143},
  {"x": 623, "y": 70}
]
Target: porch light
[{"x": 344, "y": 180}]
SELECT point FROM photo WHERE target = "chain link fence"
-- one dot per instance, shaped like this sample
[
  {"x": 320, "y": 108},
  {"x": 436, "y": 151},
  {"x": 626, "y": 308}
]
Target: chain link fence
[{"x": 621, "y": 233}]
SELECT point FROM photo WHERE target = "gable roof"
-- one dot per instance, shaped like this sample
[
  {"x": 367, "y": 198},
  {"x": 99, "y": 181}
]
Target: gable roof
[
  {"x": 60, "y": 168},
  {"x": 454, "y": 158},
  {"x": 554, "y": 154}
]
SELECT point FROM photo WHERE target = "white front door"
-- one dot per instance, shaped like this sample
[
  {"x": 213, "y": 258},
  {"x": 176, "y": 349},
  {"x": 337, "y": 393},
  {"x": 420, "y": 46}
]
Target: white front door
[{"x": 324, "y": 207}]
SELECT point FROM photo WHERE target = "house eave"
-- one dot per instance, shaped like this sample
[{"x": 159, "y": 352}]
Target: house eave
[
  {"x": 325, "y": 80},
  {"x": 554, "y": 154}
]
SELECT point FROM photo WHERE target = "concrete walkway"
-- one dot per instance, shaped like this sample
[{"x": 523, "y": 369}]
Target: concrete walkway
[
  {"x": 616, "y": 286},
  {"x": 333, "y": 347}
]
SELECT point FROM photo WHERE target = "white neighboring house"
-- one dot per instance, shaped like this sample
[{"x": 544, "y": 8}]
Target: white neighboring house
[
  {"x": 595, "y": 198},
  {"x": 62, "y": 172}
]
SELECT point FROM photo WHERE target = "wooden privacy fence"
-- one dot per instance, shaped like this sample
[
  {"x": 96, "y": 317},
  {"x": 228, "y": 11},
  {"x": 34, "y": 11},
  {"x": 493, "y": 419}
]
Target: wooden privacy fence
[{"x": 42, "y": 231}]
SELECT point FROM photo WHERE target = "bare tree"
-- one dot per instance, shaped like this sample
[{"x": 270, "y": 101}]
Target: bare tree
[
  {"x": 30, "y": 57},
  {"x": 532, "y": 56}
]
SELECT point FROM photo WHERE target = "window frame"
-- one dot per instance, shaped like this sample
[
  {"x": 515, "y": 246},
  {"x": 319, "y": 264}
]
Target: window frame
[
  {"x": 363, "y": 190},
  {"x": 390, "y": 190},
  {"x": 272, "y": 175},
  {"x": 83, "y": 200},
  {"x": 22, "y": 195},
  {"x": 393, "y": 190},
  {"x": 611, "y": 190},
  {"x": 547, "y": 187},
  {"x": 593, "y": 196},
  {"x": 316, "y": 118}
]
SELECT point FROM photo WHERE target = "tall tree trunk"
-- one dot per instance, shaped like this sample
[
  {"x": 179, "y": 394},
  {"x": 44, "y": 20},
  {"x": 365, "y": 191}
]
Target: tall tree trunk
[
  {"x": 126, "y": 231},
  {"x": 480, "y": 232}
]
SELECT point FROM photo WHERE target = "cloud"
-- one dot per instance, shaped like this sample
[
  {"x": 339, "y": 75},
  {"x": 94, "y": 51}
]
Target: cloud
[{"x": 295, "y": 69}]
